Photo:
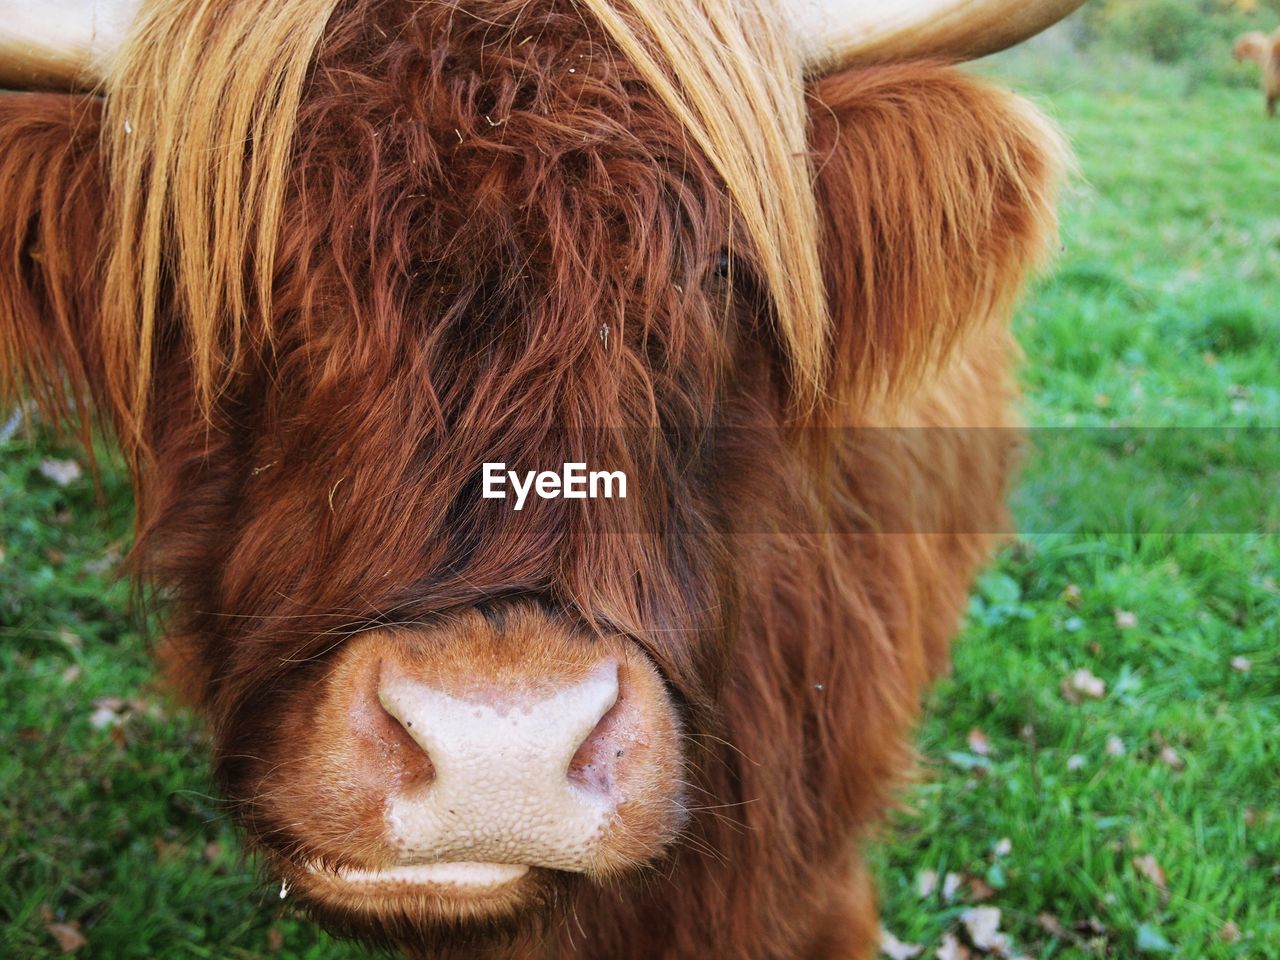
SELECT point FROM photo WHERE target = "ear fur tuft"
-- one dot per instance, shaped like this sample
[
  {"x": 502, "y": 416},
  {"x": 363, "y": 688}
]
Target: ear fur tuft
[
  {"x": 936, "y": 192},
  {"x": 51, "y": 204}
]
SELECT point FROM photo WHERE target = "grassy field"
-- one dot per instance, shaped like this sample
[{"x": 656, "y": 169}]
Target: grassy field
[{"x": 1135, "y": 811}]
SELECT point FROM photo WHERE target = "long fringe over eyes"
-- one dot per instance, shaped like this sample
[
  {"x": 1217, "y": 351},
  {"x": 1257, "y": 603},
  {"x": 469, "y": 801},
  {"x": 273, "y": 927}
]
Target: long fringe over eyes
[{"x": 202, "y": 109}]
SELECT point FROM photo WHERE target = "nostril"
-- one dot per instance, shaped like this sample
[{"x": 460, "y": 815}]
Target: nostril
[
  {"x": 595, "y": 762},
  {"x": 399, "y": 748}
]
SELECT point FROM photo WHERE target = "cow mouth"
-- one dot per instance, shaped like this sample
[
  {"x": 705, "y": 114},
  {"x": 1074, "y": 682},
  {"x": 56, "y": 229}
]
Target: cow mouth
[
  {"x": 351, "y": 897},
  {"x": 464, "y": 877},
  {"x": 422, "y": 902}
]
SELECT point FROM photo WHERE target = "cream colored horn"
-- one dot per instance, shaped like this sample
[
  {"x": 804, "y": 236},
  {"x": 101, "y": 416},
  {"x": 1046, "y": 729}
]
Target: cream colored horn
[
  {"x": 66, "y": 44},
  {"x": 840, "y": 33},
  {"x": 60, "y": 44}
]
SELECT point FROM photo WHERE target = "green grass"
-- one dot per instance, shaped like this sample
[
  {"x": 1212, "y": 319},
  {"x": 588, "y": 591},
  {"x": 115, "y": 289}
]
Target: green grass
[
  {"x": 1162, "y": 312},
  {"x": 112, "y": 827}
]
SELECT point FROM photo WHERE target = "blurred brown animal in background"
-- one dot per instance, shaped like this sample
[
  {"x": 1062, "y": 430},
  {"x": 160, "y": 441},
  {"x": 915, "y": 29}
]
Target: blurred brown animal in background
[{"x": 1264, "y": 50}]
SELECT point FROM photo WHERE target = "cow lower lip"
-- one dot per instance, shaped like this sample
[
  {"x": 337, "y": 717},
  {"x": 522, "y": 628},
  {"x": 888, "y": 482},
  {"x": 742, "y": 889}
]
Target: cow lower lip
[{"x": 462, "y": 876}]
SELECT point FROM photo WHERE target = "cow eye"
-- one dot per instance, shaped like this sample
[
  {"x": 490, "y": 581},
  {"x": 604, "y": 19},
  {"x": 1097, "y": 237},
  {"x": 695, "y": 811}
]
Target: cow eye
[{"x": 722, "y": 265}]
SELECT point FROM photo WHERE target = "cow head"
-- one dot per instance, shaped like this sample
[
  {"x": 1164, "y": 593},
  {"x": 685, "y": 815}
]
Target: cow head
[
  {"x": 1251, "y": 46},
  {"x": 316, "y": 263}
]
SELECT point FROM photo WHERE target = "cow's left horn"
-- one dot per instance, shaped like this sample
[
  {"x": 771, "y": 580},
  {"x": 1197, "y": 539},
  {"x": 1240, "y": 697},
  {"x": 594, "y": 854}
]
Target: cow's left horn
[
  {"x": 60, "y": 44},
  {"x": 839, "y": 33}
]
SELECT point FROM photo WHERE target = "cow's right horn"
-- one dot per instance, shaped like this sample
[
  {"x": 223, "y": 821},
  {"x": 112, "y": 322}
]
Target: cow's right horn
[{"x": 838, "y": 33}]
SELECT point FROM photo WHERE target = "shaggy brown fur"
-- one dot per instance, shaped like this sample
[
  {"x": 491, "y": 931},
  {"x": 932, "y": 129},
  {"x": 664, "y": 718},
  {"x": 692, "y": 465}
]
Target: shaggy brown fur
[
  {"x": 469, "y": 200},
  {"x": 1263, "y": 50}
]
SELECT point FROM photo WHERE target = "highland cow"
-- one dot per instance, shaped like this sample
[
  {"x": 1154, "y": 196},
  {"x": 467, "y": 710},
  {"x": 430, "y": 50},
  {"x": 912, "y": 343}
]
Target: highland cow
[
  {"x": 316, "y": 263},
  {"x": 1264, "y": 50}
]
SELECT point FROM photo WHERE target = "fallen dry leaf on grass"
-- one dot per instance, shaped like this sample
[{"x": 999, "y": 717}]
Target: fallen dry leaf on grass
[
  {"x": 952, "y": 949},
  {"x": 68, "y": 935},
  {"x": 61, "y": 472},
  {"x": 1149, "y": 867},
  {"x": 895, "y": 949},
  {"x": 1229, "y": 933},
  {"x": 1115, "y": 746},
  {"x": 1126, "y": 619},
  {"x": 1083, "y": 685},
  {"x": 1052, "y": 926},
  {"x": 982, "y": 924},
  {"x": 926, "y": 883},
  {"x": 980, "y": 890},
  {"x": 1170, "y": 757},
  {"x": 978, "y": 742},
  {"x": 107, "y": 712},
  {"x": 951, "y": 885},
  {"x": 1241, "y": 664},
  {"x": 111, "y": 712}
]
